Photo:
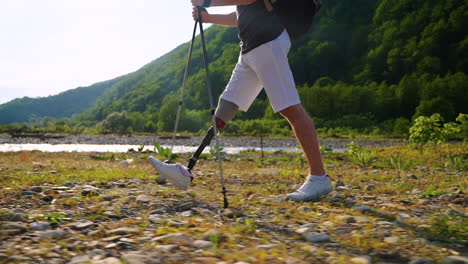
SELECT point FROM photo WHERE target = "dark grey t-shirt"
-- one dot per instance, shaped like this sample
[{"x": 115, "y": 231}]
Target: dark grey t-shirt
[{"x": 256, "y": 25}]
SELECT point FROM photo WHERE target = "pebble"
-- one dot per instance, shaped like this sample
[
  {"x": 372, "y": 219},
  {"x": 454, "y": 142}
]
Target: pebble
[
  {"x": 110, "y": 197},
  {"x": 53, "y": 234},
  {"x": 84, "y": 224},
  {"x": 391, "y": 240},
  {"x": 39, "y": 226},
  {"x": 416, "y": 192},
  {"x": 167, "y": 248},
  {"x": 123, "y": 231},
  {"x": 80, "y": 260},
  {"x": 69, "y": 184},
  {"x": 89, "y": 192},
  {"x": 233, "y": 213},
  {"x": 316, "y": 237},
  {"x": 138, "y": 257},
  {"x": 266, "y": 247},
  {"x": 347, "y": 219},
  {"x": 419, "y": 261},
  {"x": 304, "y": 209},
  {"x": 161, "y": 180},
  {"x": 12, "y": 228},
  {"x": 370, "y": 187},
  {"x": 174, "y": 238},
  {"x": 36, "y": 189},
  {"x": 362, "y": 260},
  {"x": 455, "y": 260},
  {"x": 111, "y": 260},
  {"x": 362, "y": 208},
  {"x": 143, "y": 198},
  {"x": 202, "y": 244}
]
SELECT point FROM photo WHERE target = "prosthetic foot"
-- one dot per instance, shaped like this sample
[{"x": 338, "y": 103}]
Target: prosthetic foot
[{"x": 177, "y": 174}]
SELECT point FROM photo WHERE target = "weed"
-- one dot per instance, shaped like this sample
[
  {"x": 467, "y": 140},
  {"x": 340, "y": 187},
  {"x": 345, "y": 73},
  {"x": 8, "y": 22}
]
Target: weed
[
  {"x": 457, "y": 163},
  {"x": 214, "y": 152},
  {"x": 449, "y": 228},
  {"x": 165, "y": 152},
  {"x": 363, "y": 158},
  {"x": 401, "y": 164}
]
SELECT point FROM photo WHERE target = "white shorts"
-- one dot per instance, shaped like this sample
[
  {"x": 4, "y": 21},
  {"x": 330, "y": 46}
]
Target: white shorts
[{"x": 266, "y": 67}]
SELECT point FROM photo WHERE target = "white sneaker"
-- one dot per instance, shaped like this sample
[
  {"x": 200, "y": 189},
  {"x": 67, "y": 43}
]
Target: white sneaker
[
  {"x": 177, "y": 174},
  {"x": 312, "y": 189}
]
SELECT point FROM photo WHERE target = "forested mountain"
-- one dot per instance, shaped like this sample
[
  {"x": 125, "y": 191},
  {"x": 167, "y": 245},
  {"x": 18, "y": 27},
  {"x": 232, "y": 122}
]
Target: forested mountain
[
  {"x": 63, "y": 105},
  {"x": 366, "y": 63}
]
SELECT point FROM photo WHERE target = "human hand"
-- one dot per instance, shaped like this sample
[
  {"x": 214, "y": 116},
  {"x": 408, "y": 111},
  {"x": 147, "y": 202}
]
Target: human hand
[
  {"x": 195, "y": 13},
  {"x": 197, "y": 2}
]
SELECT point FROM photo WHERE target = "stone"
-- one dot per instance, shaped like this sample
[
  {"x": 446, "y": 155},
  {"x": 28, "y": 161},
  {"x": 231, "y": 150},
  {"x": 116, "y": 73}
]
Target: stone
[
  {"x": 419, "y": 261},
  {"x": 17, "y": 217},
  {"x": 316, "y": 237},
  {"x": 84, "y": 224},
  {"x": 412, "y": 176},
  {"x": 416, "y": 192},
  {"x": 176, "y": 238},
  {"x": 123, "y": 231},
  {"x": 362, "y": 260},
  {"x": 80, "y": 260},
  {"x": 53, "y": 234},
  {"x": 202, "y": 244},
  {"x": 155, "y": 218},
  {"x": 391, "y": 240},
  {"x": 12, "y": 228},
  {"x": 111, "y": 260},
  {"x": 455, "y": 260},
  {"x": 89, "y": 192},
  {"x": 347, "y": 219},
  {"x": 233, "y": 213},
  {"x": 137, "y": 257},
  {"x": 167, "y": 248},
  {"x": 110, "y": 197},
  {"x": 205, "y": 260},
  {"x": 161, "y": 180},
  {"x": 143, "y": 198},
  {"x": 186, "y": 206},
  {"x": 69, "y": 184},
  {"x": 304, "y": 209},
  {"x": 370, "y": 187},
  {"x": 266, "y": 247},
  {"x": 362, "y": 208},
  {"x": 36, "y": 189},
  {"x": 39, "y": 226},
  {"x": 47, "y": 198}
]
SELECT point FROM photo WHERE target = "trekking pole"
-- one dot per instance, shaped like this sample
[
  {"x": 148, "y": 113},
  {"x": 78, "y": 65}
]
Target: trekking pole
[
  {"x": 213, "y": 119},
  {"x": 184, "y": 84}
]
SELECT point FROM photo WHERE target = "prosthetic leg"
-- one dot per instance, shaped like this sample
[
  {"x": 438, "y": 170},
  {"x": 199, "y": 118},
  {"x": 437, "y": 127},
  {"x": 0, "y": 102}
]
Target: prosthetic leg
[
  {"x": 225, "y": 112},
  {"x": 182, "y": 176}
]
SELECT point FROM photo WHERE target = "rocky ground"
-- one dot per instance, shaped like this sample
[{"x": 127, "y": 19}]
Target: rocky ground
[
  {"x": 113, "y": 208},
  {"x": 227, "y": 141}
]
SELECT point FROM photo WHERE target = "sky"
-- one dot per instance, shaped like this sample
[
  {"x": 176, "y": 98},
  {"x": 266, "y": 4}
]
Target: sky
[{"x": 50, "y": 46}]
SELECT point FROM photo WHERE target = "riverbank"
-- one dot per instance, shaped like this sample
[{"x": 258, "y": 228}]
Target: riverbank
[{"x": 194, "y": 141}]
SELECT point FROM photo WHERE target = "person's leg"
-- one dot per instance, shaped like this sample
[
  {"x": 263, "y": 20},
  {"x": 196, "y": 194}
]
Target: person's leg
[
  {"x": 306, "y": 135},
  {"x": 271, "y": 65}
]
